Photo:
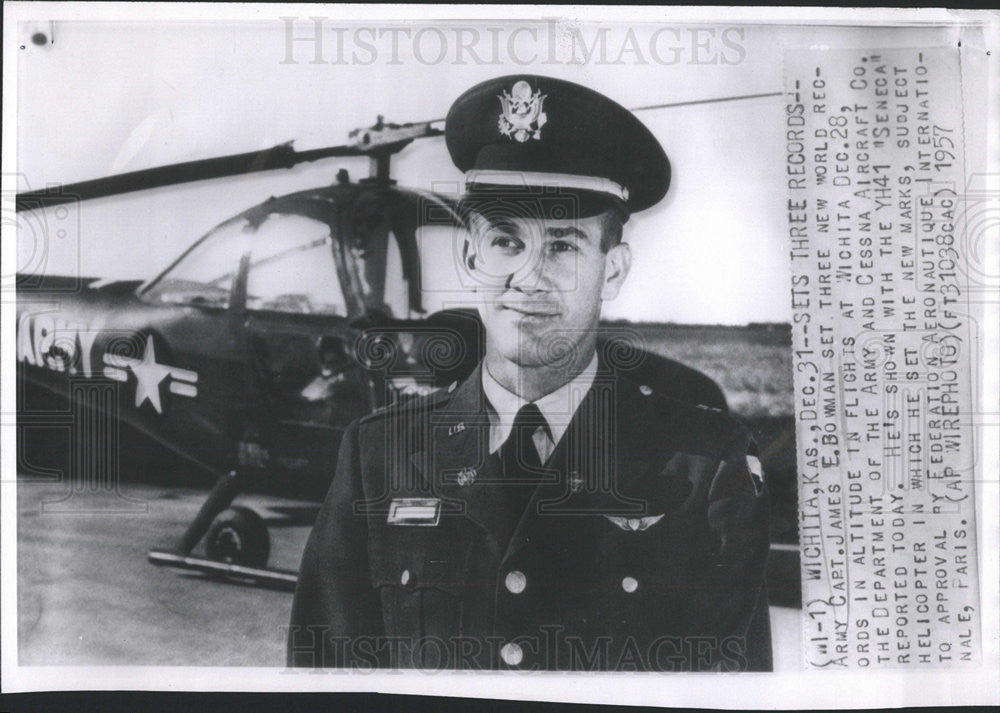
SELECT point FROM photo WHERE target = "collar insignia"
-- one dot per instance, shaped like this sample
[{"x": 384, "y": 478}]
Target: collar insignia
[{"x": 522, "y": 117}]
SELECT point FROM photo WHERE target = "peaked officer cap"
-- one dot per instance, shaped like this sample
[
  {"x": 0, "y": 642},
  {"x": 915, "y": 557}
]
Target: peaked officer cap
[{"x": 540, "y": 136}]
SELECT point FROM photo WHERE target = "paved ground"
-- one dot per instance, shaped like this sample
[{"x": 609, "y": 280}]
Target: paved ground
[{"x": 87, "y": 595}]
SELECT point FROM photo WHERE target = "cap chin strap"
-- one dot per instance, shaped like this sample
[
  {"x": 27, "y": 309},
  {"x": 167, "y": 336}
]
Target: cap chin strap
[{"x": 530, "y": 179}]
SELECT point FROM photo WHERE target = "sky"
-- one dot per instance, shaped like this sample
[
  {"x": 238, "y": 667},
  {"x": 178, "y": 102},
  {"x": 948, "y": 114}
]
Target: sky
[{"x": 104, "y": 98}]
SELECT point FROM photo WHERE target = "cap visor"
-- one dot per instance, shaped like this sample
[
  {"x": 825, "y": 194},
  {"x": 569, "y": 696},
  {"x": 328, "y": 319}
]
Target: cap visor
[{"x": 538, "y": 203}]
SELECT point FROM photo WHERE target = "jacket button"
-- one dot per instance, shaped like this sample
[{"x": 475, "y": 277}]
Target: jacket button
[
  {"x": 511, "y": 654},
  {"x": 630, "y": 584},
  {"x": 406, "y": 579},
  {"x": 515, "y": 582}
]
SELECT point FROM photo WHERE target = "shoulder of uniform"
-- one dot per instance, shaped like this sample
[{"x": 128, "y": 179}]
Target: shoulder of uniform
[
  {"x": 409, "y": 405},
  {"x": 695, "y": 426}
]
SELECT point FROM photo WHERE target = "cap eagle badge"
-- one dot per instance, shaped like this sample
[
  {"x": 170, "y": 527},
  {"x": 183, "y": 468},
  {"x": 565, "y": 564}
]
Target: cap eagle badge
[{"x": 522, "y": 117}]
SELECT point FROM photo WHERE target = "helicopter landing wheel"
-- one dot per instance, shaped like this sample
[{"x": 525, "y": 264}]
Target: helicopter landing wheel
[{"x": 239, "y": 536}]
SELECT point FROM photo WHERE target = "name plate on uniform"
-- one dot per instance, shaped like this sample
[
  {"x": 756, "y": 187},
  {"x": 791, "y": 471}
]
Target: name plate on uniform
[{"x": 414, "y": 511}]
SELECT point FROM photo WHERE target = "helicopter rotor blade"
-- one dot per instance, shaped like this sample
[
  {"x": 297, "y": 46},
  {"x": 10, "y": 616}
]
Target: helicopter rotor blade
[
  {"x": 280, "y": 156},
  {"x": 671, "y": 105}
]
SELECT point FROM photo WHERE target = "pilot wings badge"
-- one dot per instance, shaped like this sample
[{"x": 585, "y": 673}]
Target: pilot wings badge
[
  {"x": 635, "y": 524},
  {"x": 522, "y": 117}
]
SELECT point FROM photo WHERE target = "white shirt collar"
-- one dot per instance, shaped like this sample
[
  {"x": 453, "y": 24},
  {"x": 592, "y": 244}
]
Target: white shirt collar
[{"x": 558, "y": 407}]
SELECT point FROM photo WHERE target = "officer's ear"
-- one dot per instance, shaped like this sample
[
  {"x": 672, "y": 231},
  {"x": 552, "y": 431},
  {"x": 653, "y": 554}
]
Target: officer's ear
[{"x": 617, "y": 263}]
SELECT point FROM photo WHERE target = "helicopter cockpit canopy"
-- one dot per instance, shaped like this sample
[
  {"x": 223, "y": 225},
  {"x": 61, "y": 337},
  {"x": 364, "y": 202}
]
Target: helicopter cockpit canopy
[{"x": 349, "y": 251}]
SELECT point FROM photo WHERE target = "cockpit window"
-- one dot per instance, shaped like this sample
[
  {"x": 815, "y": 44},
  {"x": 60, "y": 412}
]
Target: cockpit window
[
  {"x": 292, "y": 268},
  {"x": 204, "y": 276}
]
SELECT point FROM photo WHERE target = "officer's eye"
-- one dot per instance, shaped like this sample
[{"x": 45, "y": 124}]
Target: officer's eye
[
  {"x": 506, "y": 242},
  {"x": 562, "y": 246}
]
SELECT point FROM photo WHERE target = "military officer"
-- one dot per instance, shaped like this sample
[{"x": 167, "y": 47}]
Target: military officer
[{"x": 549, "y": 512}]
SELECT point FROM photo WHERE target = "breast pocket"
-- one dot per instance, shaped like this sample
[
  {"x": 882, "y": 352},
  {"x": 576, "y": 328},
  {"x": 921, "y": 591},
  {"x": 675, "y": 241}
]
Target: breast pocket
[{"x": 421, "y": 577}]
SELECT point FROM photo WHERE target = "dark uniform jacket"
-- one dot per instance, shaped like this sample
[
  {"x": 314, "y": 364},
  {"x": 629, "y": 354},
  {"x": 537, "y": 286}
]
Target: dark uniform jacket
[{"x": 642, "y": 546}]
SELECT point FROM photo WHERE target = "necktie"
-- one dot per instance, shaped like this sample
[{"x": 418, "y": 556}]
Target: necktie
[
  {"x": 521, "y": 462},
  {"x": 519, "y": 454}
]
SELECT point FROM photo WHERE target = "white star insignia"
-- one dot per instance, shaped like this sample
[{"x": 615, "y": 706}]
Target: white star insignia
[{"x": 148, "y": 375}]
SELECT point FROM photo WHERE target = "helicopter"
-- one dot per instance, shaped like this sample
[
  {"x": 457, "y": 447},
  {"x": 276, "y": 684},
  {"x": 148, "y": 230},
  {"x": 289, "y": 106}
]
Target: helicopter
[{"x": 251, "y": 353}]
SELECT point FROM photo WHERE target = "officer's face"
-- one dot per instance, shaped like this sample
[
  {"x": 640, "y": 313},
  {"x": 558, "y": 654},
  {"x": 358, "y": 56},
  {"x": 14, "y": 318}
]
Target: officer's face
[{"x": 541, "y": 283}]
